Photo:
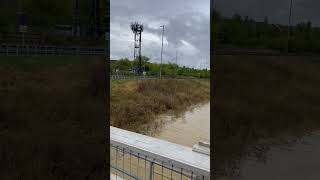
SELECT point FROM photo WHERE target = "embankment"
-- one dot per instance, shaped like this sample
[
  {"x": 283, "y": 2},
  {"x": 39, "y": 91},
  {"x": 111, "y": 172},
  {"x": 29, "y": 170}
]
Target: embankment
[{"x": 135, "y": 104}]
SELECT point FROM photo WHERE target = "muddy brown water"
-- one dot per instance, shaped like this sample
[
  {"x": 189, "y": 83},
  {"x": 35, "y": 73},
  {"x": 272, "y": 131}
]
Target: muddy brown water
[
  {"x": 189, "y": 128},
  {"x": 298, "y": 161}
]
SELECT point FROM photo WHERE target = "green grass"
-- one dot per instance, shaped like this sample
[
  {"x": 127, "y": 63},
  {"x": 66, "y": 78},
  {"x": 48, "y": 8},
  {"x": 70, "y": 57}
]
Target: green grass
[
  {"x": 52, "y": 117},
  {"x": 260, "y": 98},
  {"x": 115, "y": 82},
  {"x": 135, "y": 104}
]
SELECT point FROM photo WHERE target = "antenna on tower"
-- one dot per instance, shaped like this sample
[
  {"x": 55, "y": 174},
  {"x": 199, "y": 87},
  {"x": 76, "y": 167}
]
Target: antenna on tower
[{"x": 137, "y": 30}]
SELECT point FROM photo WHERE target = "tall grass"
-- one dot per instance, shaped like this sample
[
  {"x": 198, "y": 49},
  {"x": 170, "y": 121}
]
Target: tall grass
[
  {"x": 52, "y": 118},
  {"x": 135, "y": 104},
  {"x": 259, "y": 98}
]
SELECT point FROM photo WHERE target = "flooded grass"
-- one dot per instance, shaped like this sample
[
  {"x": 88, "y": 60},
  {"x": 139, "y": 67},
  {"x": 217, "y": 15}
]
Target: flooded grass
[
  {"x": 261, "y": 98},
  {"x": 135, "y": 104},
  {"x": 51, "y": 117}
]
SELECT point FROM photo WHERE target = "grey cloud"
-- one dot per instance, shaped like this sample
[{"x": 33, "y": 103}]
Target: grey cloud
[{"x": 176, "y": 15}]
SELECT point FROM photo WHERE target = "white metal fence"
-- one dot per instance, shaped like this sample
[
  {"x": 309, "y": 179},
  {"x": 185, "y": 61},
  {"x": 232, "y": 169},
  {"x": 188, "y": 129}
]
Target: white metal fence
[
  {"x": 120, "y": 77},
  {"x": 139, "y": 77},
  {"x": 34, "y": 50},
  {"x": 135, "y": 156}
]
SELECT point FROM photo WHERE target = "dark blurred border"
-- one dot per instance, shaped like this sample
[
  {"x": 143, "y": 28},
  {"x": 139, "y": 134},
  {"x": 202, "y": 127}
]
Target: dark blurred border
[{"x": 211, "y": 91}]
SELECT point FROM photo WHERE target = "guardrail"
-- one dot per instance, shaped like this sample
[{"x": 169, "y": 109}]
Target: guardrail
[
  {"x": 35, "y": 50},
  {"x": 136, "y": 156}
]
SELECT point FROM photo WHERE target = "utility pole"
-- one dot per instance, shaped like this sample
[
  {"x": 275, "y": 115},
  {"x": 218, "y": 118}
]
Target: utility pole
[
  {"x": 177, "y": 62},
  {"x": 176, "y": 57},
  {"x": 200, "y": 71},
  {"x": 22, "y": 18},
  {"x": 200, "y": 67},
  {"x": 289, "y": 27},
  {"x": 97, "y": 18},
  {"x": 76, "y": 19},
  {"x": 176, "y": 75},
  {"x": 161, "y": 51}
]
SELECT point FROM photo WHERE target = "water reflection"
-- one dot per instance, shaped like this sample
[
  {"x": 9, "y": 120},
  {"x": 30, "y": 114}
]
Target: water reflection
[{"x": 300, "y": 160}]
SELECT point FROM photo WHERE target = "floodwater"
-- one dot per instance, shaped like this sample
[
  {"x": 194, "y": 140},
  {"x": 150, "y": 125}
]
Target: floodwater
[
  {"x": 193, "y": 126},
  {"x": 295, "y": 162}
]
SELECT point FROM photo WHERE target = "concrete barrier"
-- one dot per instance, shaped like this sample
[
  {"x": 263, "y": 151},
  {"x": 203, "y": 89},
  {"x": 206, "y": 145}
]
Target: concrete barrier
[{"x": 156, "y": 155}]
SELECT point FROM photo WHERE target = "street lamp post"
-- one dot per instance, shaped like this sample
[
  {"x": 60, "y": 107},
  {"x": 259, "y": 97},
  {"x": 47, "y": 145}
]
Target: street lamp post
[
  {"x": 177, "y": 63},
  {"x": 161, "y": 51},
  {"x": 289, "y": 25},
  {"x": 200, "y": 70}
]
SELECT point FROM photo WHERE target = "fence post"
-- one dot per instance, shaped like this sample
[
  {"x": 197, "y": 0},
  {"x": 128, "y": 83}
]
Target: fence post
[
  {"x": 200, "y": 178},
  {"x": 151, "y": 170}
]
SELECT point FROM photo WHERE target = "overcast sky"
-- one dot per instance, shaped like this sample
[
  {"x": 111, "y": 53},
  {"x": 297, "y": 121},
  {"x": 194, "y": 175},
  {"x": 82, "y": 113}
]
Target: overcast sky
[
  {"x": 276, "y": 10},
  {"x": 187, "y": 29}
]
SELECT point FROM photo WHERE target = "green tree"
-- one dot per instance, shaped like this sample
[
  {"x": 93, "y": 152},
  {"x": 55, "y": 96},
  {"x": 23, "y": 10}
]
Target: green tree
[{"x": 123, "y": 64}]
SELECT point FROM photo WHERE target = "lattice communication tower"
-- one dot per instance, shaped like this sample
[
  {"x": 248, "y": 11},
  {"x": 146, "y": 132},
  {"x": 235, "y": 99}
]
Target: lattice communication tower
[{"x": 137, "y": 30}]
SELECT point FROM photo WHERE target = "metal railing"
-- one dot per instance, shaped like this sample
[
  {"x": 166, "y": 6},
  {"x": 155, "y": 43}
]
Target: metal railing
[
  {"x": 120, "y": 77},
  {"x": 135, "y": 156},
  {"x": 34, "y": 50}
]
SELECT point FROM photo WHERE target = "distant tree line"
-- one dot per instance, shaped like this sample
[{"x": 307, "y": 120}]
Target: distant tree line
[
  {"x": 153, "y": 69},
  {"x": 244, "y": 32}
]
